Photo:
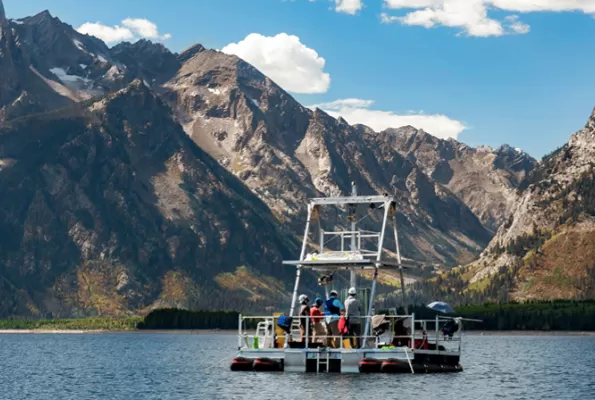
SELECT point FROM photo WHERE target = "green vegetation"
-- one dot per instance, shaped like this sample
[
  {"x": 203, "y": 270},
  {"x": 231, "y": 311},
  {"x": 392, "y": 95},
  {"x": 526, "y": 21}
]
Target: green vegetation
[
  {"x": 525, "y": 243},
  {"x": 158, "y": 319},
  {"x": 173, "y": 318},
  {"x": 558, "y": 315},
  {"x": 582, "y": 202},
  {"x": 543, "y": 316},
  {"x": 93, "y": 323}
]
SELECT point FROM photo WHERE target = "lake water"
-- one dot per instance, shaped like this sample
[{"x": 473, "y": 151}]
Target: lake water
[{"x": 190, "y": 366}]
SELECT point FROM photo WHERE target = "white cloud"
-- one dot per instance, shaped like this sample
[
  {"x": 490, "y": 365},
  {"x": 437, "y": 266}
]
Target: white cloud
[
  {"x": 108, "y": 34},
  {"x": 517, "y": 26},
  {"x": 133, "y": 28},
  {"x": 284, "y": 59},
  {"x": 472, "y": 15},
  {"x": 348, "y": 6},
  {"x": 344, "y": 103},
  {"x": 357, "y": 111}
]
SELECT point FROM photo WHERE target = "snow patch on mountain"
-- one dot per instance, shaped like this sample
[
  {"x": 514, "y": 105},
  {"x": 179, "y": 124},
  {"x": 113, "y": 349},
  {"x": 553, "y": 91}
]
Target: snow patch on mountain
[
  {"x": 56, "y": 87},
  {"x": 79, "y": 45},
  {"x": 101, "y": 58},
  {"x": 114, "y": 73},
  {"x": 72, "y": 81}
]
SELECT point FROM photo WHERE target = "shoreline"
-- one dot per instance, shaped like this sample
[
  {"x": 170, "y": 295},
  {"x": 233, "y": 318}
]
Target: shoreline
[
  {"x": 234, "y": 331},
  {"x": 529, "y": 333},
  {"x": 118, "y": 331}
]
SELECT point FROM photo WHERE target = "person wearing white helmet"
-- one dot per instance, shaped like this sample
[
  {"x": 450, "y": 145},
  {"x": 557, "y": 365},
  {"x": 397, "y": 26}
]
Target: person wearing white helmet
[
  {"x": 304, "y": 315},
  {"x": 353, "y": 313}
]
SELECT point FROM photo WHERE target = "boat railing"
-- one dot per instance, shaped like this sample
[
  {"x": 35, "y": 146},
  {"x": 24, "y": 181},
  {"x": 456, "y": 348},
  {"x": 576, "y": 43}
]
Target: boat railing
[{"x": 416, "y": 334}]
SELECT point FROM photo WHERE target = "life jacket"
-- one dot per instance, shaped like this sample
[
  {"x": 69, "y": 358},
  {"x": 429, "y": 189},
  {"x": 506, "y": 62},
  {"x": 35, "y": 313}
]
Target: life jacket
[
  {"x": 304, "y": 312},
  {"x": 330, "y": 308},
  {"x": 343, "y": 329}
]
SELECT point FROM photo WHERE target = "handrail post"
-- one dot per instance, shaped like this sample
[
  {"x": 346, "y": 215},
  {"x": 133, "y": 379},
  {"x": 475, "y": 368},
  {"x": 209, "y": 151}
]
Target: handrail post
[
  {"x": 370, "y": 306},
  {"x": 239, "y": 332},
  {"x": 437, "y": 322},
  {"x": 307, "y": 330},
  {"x": 413, "y": 331},
  {"x": 460, "y": 335}
]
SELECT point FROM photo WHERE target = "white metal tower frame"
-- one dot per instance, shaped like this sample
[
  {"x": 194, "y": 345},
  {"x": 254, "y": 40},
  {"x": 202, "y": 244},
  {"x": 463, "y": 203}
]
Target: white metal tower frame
[{"x": 370, "y": 260}]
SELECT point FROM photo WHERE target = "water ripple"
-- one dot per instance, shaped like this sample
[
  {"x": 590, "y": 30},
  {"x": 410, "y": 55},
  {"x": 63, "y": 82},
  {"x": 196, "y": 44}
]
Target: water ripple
[{"x": 167, "y": 367}]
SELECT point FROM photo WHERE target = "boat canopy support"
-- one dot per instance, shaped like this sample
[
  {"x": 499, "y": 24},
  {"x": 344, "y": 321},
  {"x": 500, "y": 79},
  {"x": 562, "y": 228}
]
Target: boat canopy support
[{"x": 362, "y": 256}]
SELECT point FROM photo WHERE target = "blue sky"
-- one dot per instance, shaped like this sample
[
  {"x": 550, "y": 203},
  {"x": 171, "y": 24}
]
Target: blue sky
[{"x": 508, "y": 72}]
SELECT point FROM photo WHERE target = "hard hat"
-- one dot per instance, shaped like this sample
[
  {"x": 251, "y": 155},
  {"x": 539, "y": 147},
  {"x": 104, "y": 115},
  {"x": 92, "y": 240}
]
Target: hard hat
[
  {"x": 334, "y": 292},
  {"x": 352, "y": 291},
  {"x": 318, "y": 301},
  {"x": 303, "y": 298}
]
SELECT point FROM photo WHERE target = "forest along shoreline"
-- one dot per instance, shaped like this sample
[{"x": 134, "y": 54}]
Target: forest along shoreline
[
  {"x": 559, "y": 317},
  {"x": 105, "y": 331}
]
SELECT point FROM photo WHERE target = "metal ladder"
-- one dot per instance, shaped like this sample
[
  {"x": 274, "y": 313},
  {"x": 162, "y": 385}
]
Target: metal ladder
[{"x": 324, "y": 362}]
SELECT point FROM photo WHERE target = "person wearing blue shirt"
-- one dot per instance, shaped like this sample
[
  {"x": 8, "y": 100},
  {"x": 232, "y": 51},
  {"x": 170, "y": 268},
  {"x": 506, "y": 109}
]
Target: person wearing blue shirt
[{"x": 333, "y": 310}]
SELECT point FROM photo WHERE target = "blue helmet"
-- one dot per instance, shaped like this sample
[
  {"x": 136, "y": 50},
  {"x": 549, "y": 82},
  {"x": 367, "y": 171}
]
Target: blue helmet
[{"x": 318, "y": 301}]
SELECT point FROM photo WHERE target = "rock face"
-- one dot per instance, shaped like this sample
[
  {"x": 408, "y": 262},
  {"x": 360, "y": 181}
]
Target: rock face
[
  {"x": 549, "y": 239},
  {"x": 484, "y": 179},
  {"x": 286, "y": 153},
  {"x": 2, "y": 14},
  {"x": 22, "y": 91},
  {"x": 149, "y": 61},
  {"x": 133, "y": 178},
  {"x": 102, "y": 202}
]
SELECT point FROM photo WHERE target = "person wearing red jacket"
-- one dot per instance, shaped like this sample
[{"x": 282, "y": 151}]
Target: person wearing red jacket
[{"x": 318, "y": 328}]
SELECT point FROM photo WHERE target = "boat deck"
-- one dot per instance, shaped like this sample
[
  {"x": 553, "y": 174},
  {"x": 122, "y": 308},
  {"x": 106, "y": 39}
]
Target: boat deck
[{"x": 417, "y": 351}]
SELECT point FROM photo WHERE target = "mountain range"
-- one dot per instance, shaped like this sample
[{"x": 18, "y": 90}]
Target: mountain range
[{"x": 132, "y": 177}]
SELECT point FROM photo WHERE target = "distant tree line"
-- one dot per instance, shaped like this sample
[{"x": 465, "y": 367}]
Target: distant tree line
[
  {"x": 90, "y": 323},
  {"x": 174, "y": 318},
  {"x": 557, "y": 315}
]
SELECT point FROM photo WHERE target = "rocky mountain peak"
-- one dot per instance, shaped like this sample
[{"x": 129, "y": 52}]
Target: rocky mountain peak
[
  {"x": 190, "y": 52},
  {"x": 549, "y": 238},
  {"x": 150, "y": 61},
  {"x": 141, "y": 46},
  {"x": 586, "y": 136},
  {"x": 322, "y": 115},
  {"x": 43, "y": 18},
  {"x": 471, "y": 173},
  {"x": 2, "y": 14},
  {"x": 124, "y": 184}
]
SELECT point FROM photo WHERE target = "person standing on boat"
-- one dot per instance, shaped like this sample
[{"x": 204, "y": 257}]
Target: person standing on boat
[
  {"x": 318, "y": 328},
  {"x": 353, "y": 312},
  {"x": 304, "y": 315},
  {"x": 333, "y": 309}
]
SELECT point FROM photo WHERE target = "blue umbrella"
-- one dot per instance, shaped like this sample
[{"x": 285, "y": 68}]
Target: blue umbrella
[{"x": 441, "y": 307}]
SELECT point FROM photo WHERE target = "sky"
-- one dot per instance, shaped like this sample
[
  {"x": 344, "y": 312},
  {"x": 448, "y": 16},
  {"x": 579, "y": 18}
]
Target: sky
[{"x": 485, "y": 72}]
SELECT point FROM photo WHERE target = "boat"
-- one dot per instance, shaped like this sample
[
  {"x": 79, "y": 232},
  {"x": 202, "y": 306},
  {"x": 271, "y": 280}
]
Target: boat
[{"x": 390, "y": 343}]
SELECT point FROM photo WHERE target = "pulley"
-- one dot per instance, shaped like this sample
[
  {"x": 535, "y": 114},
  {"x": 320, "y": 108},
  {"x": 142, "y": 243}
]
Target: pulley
[{"x": 325, "y": 280}]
